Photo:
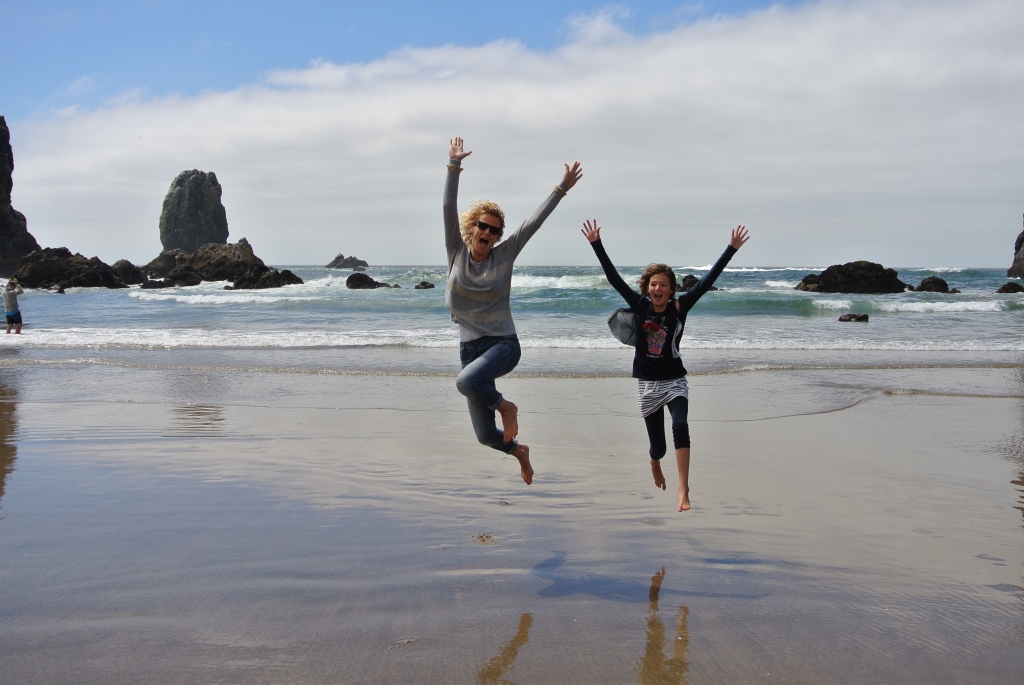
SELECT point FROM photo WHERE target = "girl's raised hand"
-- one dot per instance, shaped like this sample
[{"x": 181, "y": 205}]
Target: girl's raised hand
[
  {"x": 591, "y": 230},
  {"x": 455, "y": 150},
  {"x": 739, "y": 237}
]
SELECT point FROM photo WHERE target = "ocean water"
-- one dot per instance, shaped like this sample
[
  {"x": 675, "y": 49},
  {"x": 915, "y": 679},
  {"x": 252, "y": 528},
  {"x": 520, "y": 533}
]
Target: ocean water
[{"x": 756, "y": 318}]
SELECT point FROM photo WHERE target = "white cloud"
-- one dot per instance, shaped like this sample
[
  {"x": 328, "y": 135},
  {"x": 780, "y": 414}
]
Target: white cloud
[{"x": 836, "y": 131}]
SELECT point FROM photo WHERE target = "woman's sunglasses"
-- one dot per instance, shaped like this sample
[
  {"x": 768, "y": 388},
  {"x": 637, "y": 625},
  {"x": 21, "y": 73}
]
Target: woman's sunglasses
[{"x": 495, "y": 230}]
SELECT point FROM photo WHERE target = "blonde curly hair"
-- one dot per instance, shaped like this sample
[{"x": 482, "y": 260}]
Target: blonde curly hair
[{"x": 468, "y": 219}]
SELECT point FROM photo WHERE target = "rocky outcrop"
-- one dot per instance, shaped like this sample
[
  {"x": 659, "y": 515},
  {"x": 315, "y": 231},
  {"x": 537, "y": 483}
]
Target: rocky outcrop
[
  {"x": 854, "y": 317},
  {"x": 228, "y": 262},
  {"x": 343, "y": 262},
  {"x": 1010, "y": 288},
  {"x": 861, "y": 277},
  {"x": 688, "y": 281},
  {"x": 57, "y": 268},
  {"x": 934, "y": 284},
  {"x": 259, "y": 277},
  {"x": 192, "y": 214},
  {"x": 423, "y": 285},
  {"x": 233, "y": 262},
  {"x": 129, "y": 273},
  {"x": 358, "y": 281},
  {"x": 1016, "y": 269},
  {"x": 166, "y": 262},
  {"x": 15, "y": 240}
]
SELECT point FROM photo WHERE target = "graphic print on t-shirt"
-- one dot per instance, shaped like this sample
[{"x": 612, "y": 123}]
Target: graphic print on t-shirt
[{"x": 656, "y": 336}]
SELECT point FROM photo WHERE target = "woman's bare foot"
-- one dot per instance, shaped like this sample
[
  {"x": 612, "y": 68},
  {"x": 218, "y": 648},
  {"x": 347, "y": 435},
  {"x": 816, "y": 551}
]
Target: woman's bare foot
[
  {"x": 659, "y": 477},
  {"x": 684, "y": 499},
  {"x": 522, "y": 453},
  {"x": 509, "y": 421}
]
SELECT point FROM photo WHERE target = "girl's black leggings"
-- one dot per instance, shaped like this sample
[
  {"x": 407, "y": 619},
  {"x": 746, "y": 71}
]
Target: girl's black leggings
[{"x": 677, "y": 407}]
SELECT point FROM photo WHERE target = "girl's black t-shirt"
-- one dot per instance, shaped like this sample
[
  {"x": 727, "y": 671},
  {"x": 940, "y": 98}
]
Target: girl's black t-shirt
[{"x": 658, "y": 333}]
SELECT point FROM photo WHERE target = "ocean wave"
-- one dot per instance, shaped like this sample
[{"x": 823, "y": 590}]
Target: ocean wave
[
  {"x": 943, "y": 307},
  {"x": 781, "y": 284},
  {"x": 836, "y": 305},
  {"x": 943, "y": 269},
  {"x": 229, "y": 297},
  {"x": 597, "y": 339},
  {"x": 560, "y": 282}
]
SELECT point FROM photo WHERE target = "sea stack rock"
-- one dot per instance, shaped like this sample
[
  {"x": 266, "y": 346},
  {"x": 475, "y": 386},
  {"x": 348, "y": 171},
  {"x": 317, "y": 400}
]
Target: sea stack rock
[
  {"x": 687, "y": 282},
  {"x": 861, "y": 277},
  {"x": 15, "y": 240},
  {"x": 343, "y": 262},
  {"x": 193, "y": 215},
  {"x": 1016, "y": 269}
]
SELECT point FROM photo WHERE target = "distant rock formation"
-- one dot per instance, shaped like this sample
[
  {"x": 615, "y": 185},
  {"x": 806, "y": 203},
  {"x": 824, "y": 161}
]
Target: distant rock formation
[
  {"x": 854, "y": 317},
  {"x": 1016, "y": 269},
  {"x": 57, "y": 268},
  {"x": 15, "y": 240},
  {"x": 214, "y": 262},
  {"x": 423, "y": 285},
  {"x": 166, "y": 262},
  {"x": 129, "y": 273},
  {"x": 192, "y": 214},
  {"x": 688, "y": 281},
  {"x": 934, "y": 284},
  {"x": 1010, "y": 288},
  {"x": 343, "y": 262},
  {"x": 359, "y": 281},
  {"x": 861, "y": 277},
  {"x": 234, "y": 262}
]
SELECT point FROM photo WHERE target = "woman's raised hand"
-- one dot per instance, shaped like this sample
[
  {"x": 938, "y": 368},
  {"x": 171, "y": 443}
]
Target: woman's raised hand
[
  {"x": 591, "y": 230},
  {"x": 739, "y": 236},
  {"x": 455, "y": 150},
  {"x": 572, "y": 175}
]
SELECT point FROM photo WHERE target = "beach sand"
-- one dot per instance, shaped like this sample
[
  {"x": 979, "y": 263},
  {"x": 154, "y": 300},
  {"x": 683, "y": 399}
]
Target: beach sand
[{"x": 192, "y": 525}]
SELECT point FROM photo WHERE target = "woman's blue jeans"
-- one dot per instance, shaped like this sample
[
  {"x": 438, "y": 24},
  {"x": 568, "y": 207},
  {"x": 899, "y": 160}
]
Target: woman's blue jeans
[{"x": 483, "y": 360}]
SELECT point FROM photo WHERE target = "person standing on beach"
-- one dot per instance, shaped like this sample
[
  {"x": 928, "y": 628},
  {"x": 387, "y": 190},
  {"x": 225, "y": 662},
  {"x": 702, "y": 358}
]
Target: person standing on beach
[
  {"x": 11, "y": 292},
  {"x": 660, "y": 317},
  {"x": 477, "y": 295}
]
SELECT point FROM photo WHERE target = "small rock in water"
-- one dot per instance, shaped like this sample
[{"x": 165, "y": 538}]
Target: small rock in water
[
  {"x": 423, "y": 285},
  {"x": 1010, "y": 287},
  {"x": 853, "y": 317},
  {"x": 933, "y": 284}
]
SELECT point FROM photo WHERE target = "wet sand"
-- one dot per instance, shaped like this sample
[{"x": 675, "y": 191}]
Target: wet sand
[{"x": 182, "y": 525}]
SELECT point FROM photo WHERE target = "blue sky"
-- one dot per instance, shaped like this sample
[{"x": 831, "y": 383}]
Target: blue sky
[
  {"x": 58, "y": 54},
  {"x": 836, "y": 130}
]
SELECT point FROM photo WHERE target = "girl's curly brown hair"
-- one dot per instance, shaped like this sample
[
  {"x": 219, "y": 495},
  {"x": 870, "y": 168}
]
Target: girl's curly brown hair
[{"x": 653, "y": 270}]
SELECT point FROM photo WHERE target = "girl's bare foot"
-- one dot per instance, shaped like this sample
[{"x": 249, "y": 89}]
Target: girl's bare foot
[
  {"x": 659, "y": 477},
  {"x": 509, "y": 420},
  {"x": 684, "y": 499},
  {"x": 522, "y": 453}
]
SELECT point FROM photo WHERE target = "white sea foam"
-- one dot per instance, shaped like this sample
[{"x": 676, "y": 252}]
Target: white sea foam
[
  {"x": 781, "y": 284},
  {"x": 833, "y": 304},
  {"x": 943, "y": 307},
  {"x": 564, "y": 282},
  {"x": 228, "y": 297},
  {"x": 942, "y": 269}
]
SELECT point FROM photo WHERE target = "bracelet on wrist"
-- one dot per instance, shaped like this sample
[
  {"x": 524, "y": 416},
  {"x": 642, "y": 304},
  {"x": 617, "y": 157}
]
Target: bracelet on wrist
[
  {"x": 456, "y": 169},
  {"x": 560, "y": 190}
]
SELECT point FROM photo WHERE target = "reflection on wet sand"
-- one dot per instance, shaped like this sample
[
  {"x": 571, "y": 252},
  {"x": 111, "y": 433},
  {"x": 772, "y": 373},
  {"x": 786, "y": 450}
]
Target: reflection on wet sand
[
  {"x": 8, "y": 428},
  {"x": 197, "y": 421},
  {"x": 655, "y": 668},
  {"x": 494, "y": 670}
]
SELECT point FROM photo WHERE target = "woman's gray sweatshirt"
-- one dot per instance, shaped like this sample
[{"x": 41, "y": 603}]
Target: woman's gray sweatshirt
[{"x": 477, "y": 292}]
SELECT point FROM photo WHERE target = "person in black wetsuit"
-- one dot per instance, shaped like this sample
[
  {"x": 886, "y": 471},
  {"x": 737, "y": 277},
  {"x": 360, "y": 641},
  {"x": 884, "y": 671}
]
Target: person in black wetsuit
[{"x": 660, "y": 317}]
